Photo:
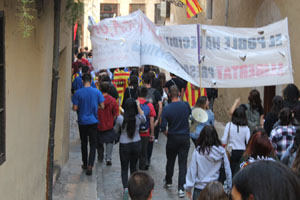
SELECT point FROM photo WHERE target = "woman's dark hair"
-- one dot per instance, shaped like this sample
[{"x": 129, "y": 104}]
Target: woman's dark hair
[
  {"x": 157, "y": 85},
  {"x": 285, "y": 116},
  {"x": 296, "y": 143},
  {"x": 259, "y": 144},
  {"x": 254, "y": 100},
  {"x": 135, "y": 71},
  {"x": 213, "y": 191},
  {"x": 277, "y": 105},
  {"x": 104, "y": 87},
  {"x": 201, "y": 102},
  {"x": 291, "y": 93},
  {"x": 296, "y": 112},
  {"x": 208, "y": 138},
  {"x": 162, "y": 78},
  {"x": 104, "y": 78},
  {"x": 267, "y": 180},
  {"x": 134, "y": 81},
  {"x": 130, "y": 112},
  {"x": 239, "y": 117}
]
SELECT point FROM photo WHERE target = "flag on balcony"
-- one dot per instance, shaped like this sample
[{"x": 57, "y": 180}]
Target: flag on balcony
[{"x": 192, "y": 7}]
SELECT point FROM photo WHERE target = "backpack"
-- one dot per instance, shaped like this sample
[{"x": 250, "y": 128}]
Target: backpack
[
  {"x": 150, "y": 96},
  {"x": 253, "y": 118},
  {"x": 145, "y": 126}
]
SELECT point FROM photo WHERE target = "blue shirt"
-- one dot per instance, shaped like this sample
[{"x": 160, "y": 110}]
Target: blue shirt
[
  {"x": 87, "y": 99},
  {"x": 77, "y": 83},
  {"x": 176, "y": 116}
]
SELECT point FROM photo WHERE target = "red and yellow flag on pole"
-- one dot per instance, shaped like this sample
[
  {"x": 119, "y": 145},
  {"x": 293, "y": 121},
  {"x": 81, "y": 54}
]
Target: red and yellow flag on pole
[{"x": 192, "y": 7}]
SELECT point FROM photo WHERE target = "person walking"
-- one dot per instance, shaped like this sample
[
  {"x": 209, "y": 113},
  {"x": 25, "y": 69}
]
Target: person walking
[
  {"x": 107, "y": 116},
  {"x": 206, "y": 162},
  {"x": 154, "y": 97},
  {"x": 86, "y": 101},
  {"x": 146, "y": 129},
  {"x": 197, "y": 127},
  {"x": 175, "y": 115},
  {"x": 236, "y": 136},
  {"x": 130, "y": 141},
  {"x": 283, "y": 135}
]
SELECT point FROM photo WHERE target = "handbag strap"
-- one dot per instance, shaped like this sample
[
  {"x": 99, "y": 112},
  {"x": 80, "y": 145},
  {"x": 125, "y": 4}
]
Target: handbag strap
[{"x": 228, "y": 134}]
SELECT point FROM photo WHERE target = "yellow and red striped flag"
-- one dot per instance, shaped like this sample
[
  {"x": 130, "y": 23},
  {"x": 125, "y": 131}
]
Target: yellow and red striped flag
[
  {"x": 192, "y": 7},
  {"x": 192, "y": 93}
]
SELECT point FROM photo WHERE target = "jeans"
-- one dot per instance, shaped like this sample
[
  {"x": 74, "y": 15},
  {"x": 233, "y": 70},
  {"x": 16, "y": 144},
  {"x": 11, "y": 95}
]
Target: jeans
[
  {"x": 129, "y": 154},
  {"x": 108, "y": 151},
  {"x": 196, "y": 193},
  {"x": 143, "y": 162},
  {"x": 178, "y": 144},
  {"x": 235, "y": 158},
  {"x": 88, "y": 133}
]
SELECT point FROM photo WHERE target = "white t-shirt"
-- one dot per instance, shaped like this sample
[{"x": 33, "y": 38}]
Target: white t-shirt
[{"x": 239, "y": 136}]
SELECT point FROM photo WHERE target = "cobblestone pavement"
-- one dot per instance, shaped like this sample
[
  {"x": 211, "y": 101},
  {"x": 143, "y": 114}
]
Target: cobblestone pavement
[{"x": 105, "y": 183}]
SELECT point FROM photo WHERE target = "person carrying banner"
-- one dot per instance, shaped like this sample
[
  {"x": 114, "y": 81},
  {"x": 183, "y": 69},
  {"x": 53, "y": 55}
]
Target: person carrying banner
[
  {"x": 192, "y": 93},
  {"x": 178, "y": 83}
]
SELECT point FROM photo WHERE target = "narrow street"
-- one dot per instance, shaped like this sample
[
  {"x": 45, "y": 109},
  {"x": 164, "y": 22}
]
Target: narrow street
[{"x": 105, "y": 183}]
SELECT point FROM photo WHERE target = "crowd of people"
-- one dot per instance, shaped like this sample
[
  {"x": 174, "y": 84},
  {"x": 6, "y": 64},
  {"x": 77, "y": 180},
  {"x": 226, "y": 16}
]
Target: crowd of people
[{"x": 257, "y": 157}]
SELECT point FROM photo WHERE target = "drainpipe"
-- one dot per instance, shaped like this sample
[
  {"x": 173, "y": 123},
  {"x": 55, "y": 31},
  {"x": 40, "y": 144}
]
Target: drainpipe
[
  {"x": 226, "y": 12},
  {"x": 55, "y": 77}
]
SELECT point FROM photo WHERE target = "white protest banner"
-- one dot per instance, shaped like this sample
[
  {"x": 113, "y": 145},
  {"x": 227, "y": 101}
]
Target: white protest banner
[
  {"x": 131, "y": 41},
  {"x": 230, "y": 57},
  {"x": 245, "y": 57}
]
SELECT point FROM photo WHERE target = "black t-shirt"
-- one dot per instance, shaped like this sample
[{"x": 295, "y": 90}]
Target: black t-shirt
[
  {"x": 157, "y": 97},
  {"x": 175, "y": 81},
  {"x": 131, "y": 94}
]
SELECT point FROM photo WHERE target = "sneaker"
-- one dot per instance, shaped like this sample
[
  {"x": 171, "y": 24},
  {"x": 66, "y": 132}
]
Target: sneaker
[
  {"x": 125, "y": 194},
  {"x": 181, "y": 193},
  {"x": 167, "y": 186},
  {"x": 108, "y": 163},
  {"x": 156, "y": 140},
  {"x": 89, "y": 171},
  {"x": 84, "y": 167}
]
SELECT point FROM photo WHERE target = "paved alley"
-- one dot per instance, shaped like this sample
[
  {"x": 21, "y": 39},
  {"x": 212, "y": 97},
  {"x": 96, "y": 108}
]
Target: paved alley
[{"x": 105, "y": 183}]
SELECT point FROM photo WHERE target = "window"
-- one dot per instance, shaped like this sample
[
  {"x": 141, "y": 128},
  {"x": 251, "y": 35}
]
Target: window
[
  {"x": 135, "y": 7},
  {"x": 108, "y": 10},
  {"x": 2, "y": 90},
  {"x": 168, "y": 12},
  {"x": 209, "y": 9}
]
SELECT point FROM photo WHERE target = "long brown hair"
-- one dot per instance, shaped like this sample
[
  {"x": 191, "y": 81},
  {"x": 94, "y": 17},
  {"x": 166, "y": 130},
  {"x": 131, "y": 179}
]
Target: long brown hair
[{"x": 259, "y": 145}]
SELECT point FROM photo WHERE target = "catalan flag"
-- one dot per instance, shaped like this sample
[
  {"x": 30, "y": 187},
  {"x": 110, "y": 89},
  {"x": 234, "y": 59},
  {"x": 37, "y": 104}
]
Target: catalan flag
[
  {"x": 121, "y": 82},
  {"x": 192, "y": 93},
  {"x": 192, "y": 7}
]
